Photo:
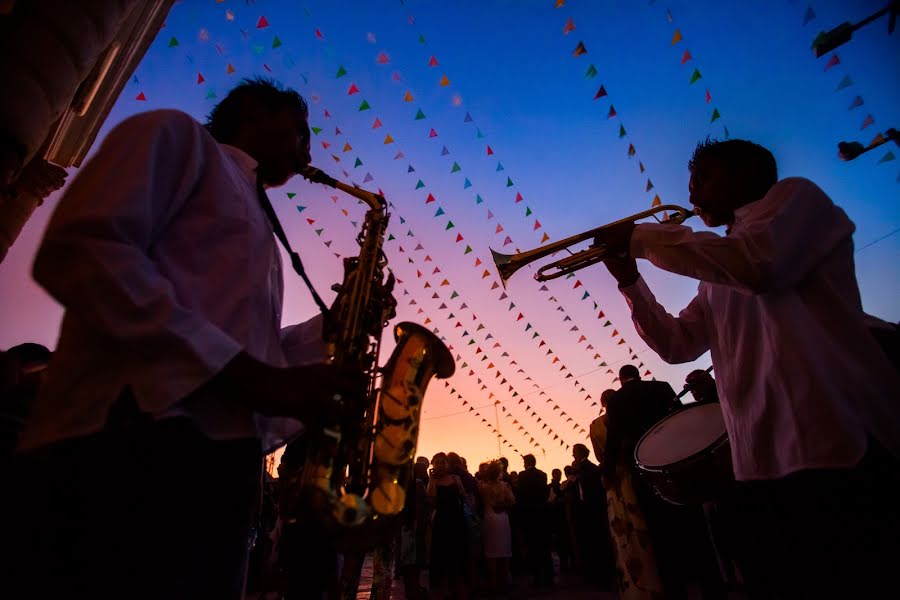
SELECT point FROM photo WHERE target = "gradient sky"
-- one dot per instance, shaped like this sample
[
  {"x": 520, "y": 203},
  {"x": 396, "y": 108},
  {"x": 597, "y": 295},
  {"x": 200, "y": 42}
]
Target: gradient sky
[{"x": 510, "y": 68}]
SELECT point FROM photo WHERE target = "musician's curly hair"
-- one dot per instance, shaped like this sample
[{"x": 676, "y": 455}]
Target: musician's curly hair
[
  {"x": 225, "y": 117},
  {"x": 751, "y": 162}
]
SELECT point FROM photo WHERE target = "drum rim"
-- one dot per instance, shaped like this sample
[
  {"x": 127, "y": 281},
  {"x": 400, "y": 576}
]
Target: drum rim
[{"x": 719, "y": 441}]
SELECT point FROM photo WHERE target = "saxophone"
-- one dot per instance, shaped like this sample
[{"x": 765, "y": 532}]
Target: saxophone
[{"x": 353, "y": 484}]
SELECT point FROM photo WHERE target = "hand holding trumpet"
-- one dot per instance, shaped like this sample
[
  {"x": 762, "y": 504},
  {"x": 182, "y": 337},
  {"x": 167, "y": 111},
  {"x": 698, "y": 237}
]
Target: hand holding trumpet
[{"x": 616, "y": 240}]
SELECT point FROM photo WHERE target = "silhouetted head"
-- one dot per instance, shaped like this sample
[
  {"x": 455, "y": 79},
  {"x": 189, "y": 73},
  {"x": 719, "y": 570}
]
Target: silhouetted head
[
  {"x": 726, "y": 175},
  {"x": 268, "y": 122}
]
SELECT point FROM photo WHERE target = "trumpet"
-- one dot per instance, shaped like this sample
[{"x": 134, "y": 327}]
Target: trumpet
[{"x": 507, "y": 264}]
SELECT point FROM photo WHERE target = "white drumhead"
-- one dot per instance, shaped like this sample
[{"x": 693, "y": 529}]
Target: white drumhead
[{"x": 681, "y": 435}]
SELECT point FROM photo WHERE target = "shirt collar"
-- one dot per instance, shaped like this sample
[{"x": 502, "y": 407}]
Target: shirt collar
[{"x": 244, "y": 161}]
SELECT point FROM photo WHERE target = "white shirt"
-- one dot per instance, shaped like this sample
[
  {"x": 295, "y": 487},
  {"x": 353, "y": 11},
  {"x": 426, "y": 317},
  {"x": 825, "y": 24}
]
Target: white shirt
[
  {"x": 167, "y": 268},
  {"x": 801, "y": 381}
]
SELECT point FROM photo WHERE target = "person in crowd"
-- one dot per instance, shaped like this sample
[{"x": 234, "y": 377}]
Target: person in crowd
[
  {"x": 449, "y": 542},
  {"x": 809, "y": 397},
  {"x": 636, "y": 573},
  {"x": 22, "y": 369},
  {"x": 570, "y": 496},
  {"x": 591, "y": 525},
  {"x": 702, "y": 386},
  {"x": 456, "y": 466},
  {"x": 631, "y": 412},
  {"x": 163, "y": 257},
  {"x": 558, "y": 527},
  {"x": 531, "y": 496},
  {"x": 497, "y": 499}
]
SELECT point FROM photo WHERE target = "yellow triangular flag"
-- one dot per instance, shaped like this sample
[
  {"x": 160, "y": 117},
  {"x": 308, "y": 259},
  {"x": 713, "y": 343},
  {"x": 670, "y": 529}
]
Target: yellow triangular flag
[
  {"x": 230, "y": 69},
  {"x": 408, "y": 97},
  {"x": 656, "y": 200},
  {"x": 445, "y": 81},
  {"x": 347, "y": 147},
  {"x": 388, "y": 139},
  {"x": 677, "y": 37}
]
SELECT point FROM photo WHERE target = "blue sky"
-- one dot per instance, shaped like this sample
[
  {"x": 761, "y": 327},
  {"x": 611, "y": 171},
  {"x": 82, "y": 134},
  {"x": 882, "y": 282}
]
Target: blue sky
[{"x": 513, "y": 71}]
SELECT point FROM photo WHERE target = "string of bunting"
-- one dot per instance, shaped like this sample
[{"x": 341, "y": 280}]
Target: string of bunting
[
  {"x": 463, "y": 307},
  {"x": 490, "y": 151},
  {"x": 471, "y": 373},
  {"x": 845, "y": 82},
  {"x": 441, "y": 212}
]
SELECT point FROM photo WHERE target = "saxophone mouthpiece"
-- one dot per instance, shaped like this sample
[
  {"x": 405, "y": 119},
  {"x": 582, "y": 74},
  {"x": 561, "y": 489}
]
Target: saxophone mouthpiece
[{"x": 315, "y": 175}]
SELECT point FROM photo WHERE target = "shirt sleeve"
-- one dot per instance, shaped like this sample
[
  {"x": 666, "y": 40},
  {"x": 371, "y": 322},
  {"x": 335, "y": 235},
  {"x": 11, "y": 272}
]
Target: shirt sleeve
[
  {"x": 786, "y": 235},
  {"x": 675, "y": 339},
  {"x": 302, "y": 343},
  {"x": 96, "y": 255}
]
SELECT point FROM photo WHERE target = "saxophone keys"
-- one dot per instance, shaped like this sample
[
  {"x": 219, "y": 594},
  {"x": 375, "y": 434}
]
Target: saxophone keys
[{"x": 388, "y": 498}]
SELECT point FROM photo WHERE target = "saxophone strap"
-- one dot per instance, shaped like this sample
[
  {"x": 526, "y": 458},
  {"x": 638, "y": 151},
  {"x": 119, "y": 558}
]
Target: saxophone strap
[{"x": 279, "y": 233}]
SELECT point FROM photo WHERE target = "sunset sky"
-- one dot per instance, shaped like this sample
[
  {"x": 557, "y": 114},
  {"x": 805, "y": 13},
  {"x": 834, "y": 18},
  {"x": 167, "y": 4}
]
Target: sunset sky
[{"x": 494, "y": 108}]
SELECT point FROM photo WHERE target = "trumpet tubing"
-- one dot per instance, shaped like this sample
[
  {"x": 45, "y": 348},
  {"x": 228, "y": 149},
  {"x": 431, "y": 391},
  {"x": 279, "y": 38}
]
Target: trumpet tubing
[{"x": 508, "y": 264}]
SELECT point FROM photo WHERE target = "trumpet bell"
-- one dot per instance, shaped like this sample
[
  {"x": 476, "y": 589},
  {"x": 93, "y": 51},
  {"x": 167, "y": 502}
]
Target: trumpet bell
[{"x": 504, "y": 268}]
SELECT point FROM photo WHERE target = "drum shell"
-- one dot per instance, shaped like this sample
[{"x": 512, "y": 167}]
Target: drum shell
[{"x": 701, "y": 477}]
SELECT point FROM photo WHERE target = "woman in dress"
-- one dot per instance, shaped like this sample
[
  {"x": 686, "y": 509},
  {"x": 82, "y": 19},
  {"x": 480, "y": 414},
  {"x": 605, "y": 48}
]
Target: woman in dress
[
  {"x": 448, "y": 530},
  {"x": 636, "y": 571},
  {"x": 497, "y": 498}
]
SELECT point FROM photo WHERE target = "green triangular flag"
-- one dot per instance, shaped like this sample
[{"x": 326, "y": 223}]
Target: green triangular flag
[
  {"x": 696, "y": 75},
  {"x": 420, "y": 184},
  {"x": 357, "y": 163},
  {"x": 317, "y": 130},
  {"x": 468, "y": 249},
  {"x": 276, "y": 42},
  {"x": 586, "y": 294},
  {"x": 607, "y": 324},
  {"x": 319, "y": 231},
  {"x": 455, "y": 167},
  {"x": 453, "y": 295},
  {"x": 499, "y": 166},
  {"x": 478, "y": 199},
  {"x": 509, "y": 182},
  {"x": 391, "y": 237},
  {"x": 480, "y": 135},
  {"x": 886, "y": 158},
  {"x": 173, "y": 42},
  {"x": 291, "y": 194},
  {"x": 715, "y": 115},
  {"x": 621, "y": 131},
  {"x": 467, "y": 184},
  {"x": 420, "y": 115},
  {"x": 527, "y": 212},
  {"x": 341, "y": 72},
  {"x": 301, "y": 208},
  {"x": 210, "y": 93},
  {"x": 450, "y": 225},
  {"x": 439, "y": 212},
  {"x": 421, "y": 39},
  {"x": 591, "y": 72},
  {"x": 364, "y": 106}
]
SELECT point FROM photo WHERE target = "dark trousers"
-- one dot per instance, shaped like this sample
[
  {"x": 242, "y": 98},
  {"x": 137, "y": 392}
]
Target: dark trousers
[
  {"x": 153, "y": 510},
  {"x": 833, "y": 533},
  {"x": 536, "y": 529}
]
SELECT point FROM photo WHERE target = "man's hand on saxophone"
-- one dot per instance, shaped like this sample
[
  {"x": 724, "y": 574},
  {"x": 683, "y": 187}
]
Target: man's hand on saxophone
[{"x": 315, "y": 394}]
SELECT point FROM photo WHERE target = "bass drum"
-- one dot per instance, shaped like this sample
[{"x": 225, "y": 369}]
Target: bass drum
[{"x": 686, "y": 457}]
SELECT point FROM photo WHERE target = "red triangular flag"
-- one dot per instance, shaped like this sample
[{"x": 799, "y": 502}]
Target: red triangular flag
[
  {"x": 141, "y": 97},
  {"x": 262, "y": 23},
  {"x": 432, "y": 62},
  {"x": 200, "y": 78},
  {"x": 353, "y": 89}
]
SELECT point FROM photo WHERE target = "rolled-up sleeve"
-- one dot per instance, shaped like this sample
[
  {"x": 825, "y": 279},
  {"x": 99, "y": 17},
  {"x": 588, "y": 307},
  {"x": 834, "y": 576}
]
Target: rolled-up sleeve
[
  {"x": 675, "y": 339},
  {"x": 96, "y": 256},
  {"x": 790, "y": 231}
]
